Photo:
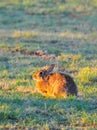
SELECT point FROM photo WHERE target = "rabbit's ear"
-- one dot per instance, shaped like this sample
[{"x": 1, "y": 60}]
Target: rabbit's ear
[{"x": 50, "y": 68}]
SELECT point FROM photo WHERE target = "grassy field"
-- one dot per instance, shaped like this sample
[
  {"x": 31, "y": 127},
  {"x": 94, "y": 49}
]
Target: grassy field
[{"x": 35, "y": 33}]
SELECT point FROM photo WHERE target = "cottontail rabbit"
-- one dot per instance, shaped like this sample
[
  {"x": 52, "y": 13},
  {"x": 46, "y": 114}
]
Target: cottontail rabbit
[{"x": 54, "y": 84}]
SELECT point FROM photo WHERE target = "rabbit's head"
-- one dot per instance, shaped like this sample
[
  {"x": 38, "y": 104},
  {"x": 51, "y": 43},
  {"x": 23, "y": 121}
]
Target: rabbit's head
[{"x": 43, "y": 72}]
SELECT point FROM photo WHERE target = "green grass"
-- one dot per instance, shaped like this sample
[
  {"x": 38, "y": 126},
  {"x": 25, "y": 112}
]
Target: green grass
[{"x": 67, "y": 33}]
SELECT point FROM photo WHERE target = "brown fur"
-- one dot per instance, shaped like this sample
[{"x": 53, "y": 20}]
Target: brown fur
[{"x": 54, "y": 84}]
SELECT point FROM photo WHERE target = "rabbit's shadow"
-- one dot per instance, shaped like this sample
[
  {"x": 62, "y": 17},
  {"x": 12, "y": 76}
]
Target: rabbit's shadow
[
  {"x": 41, "y": 106},
  {"x": 78, "y": 103}
]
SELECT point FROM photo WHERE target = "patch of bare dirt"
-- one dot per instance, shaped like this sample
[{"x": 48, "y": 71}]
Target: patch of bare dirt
[{"x": 43, "y": 54}]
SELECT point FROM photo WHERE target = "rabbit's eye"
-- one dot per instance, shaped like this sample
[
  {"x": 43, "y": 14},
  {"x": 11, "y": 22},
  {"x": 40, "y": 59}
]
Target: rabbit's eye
[{"x": 40, "y": 73}]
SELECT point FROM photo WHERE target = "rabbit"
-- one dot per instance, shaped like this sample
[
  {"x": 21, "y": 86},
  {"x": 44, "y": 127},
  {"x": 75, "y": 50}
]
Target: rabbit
[{"x": 54, "y": 84}]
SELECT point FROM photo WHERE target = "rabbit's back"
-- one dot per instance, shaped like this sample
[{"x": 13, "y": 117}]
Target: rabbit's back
[{"x": 71, "y": 87}]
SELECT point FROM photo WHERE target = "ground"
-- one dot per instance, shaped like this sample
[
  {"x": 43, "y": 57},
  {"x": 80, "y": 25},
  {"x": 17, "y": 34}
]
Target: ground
[{"x": 38, "y": 33}]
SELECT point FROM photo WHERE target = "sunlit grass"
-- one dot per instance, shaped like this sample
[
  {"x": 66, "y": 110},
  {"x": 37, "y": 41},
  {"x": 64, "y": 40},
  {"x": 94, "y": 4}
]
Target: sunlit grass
[
  {"x": 87, "y": 74},
  {"x": 91, "y": 36},
  {"x": 72, "y": 35},
  {"x": 47, "y": 35},
  {"x": 24, "y": 34}
]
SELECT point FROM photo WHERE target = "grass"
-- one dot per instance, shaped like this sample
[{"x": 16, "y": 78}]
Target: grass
[{"x": 66, "y": 33}]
